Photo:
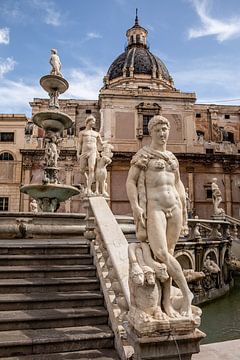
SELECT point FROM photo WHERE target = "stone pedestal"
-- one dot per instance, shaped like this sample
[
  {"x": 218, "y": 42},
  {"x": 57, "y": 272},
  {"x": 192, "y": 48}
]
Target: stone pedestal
[{"x": 171, "y": 346}]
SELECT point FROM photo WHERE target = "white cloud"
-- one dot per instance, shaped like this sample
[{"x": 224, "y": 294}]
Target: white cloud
[
  {"x": 15, "y": 96},
  {"x": 93, "y": 35},
  {"x": 223, "y": 30},
  {"x": 85, "y": 84},
  {"x": 51, "y": 16},
  {"x": 4, "y": 36},
  {"x": 6, "y": 65}
]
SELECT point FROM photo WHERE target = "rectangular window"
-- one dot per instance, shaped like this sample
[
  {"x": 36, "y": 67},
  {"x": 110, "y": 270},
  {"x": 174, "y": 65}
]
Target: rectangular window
[
  {"x": 227, "y": 116},
  {"x": 7, "y": 136},
  {"x": 209, "y": 151},
  {"x": 209, "y": 193},
  {"x": 88, "y": 111},
  {"x": 146, "y": 119},
  {"x": 198, "y": 115},
  {"x": 3, "y": 203}
]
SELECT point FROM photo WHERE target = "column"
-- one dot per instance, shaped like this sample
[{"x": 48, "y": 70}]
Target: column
[
  {"x": 27, "y": 166},
  {"x": 228, "y": 194},
  {"x": 68, "y": 169}
]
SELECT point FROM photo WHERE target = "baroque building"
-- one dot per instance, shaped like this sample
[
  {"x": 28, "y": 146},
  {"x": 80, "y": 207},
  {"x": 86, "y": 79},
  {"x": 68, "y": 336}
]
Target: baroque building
[{"x": 204, "y": 137}]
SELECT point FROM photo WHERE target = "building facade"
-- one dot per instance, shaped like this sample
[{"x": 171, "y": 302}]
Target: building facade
[{"x": 205, "y": 138}]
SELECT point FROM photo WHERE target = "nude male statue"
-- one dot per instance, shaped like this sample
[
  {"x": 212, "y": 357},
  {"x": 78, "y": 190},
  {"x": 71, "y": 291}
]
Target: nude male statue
[
  {"x": 157, "y": 198},
  {"x": 216, "y": 197},
  {"x": 55, "y": 62},
  {"x": 87, "y": 151}
]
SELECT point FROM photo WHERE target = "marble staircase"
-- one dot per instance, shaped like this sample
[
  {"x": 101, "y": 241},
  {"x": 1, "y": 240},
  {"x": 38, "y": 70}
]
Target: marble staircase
[{"x": 51, "y": 305}]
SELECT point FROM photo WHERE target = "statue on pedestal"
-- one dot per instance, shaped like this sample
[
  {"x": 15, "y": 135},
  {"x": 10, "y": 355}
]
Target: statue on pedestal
[
  {"x": 56, "y": 63},
  {"x": 158, "y": 201},
  {"x": 101, "y": 170},
  {"x": 217, "y": 198}
]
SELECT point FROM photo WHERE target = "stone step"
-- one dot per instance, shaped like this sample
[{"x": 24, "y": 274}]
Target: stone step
[
  {"x": 46, "y": 271},
  {"x": 52, "y": 318},
  {"x": 50, "y": 300},
  {"x": 66, "y": 259},
  {"x": 48, "y": 285},
  {"x": 100, "y": 354},
  {"x": 27, "y": 247},
  {"x": 44, "y": 341}
]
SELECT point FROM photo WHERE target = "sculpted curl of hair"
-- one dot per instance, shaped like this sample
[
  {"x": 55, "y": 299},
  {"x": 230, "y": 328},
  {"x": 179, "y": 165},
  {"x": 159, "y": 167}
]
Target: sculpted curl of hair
[{"x": 157, "y": 119}]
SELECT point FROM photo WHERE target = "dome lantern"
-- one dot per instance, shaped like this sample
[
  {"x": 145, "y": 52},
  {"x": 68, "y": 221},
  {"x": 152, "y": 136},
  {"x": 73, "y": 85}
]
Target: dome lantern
[{"x": 136, "y": 35}]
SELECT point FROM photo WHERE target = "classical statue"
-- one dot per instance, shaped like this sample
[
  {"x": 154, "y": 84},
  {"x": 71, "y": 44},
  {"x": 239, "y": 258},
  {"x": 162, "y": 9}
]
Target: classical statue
[
  {"x": 87, "y": 152},
  {"x": 56, "y": 63},
  {"x": 51, "y": 149},
  {"x": 217, "y": 198},
  {"x": 158, "y": 201},
  {"x": 210, "y": 266},
  {"x": 34, "y": 206},
  {"x": 103, "y": 160}
]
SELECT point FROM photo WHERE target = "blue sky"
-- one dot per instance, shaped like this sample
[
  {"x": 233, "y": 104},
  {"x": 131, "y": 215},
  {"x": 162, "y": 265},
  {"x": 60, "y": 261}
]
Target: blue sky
[{"x": 198, "y": 40}]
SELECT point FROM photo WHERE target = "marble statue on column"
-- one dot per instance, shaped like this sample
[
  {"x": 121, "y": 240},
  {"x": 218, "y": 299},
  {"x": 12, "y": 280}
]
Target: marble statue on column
[
  {"x": 56, "y": 63},
  {"x": 158, "y": 202},
  {"x": 92, "y": 163},
  {"x": 217, "y": 198}
]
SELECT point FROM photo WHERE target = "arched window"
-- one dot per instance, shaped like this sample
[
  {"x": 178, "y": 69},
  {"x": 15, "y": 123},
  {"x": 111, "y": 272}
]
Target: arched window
[
  {"x": 6, "y": 156},
  {"x": 138, "y": 39}
]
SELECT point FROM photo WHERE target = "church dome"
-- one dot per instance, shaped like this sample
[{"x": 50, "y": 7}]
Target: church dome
[
  {"x": 143, "y": 62},
  {"x": 138, "y": 63}
]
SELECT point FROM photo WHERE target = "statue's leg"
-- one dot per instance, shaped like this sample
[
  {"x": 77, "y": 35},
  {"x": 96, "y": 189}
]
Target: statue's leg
[
  {"x": 83, "y": 166},
  {"x": 161, "y": 233},
  {"x": 91, "y": 168},
  {"x": 156, "y": 230},
  {"x": 173, "y": 232}
]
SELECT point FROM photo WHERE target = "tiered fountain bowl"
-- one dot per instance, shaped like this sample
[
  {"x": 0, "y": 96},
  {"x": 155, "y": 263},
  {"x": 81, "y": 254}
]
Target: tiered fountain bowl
[{"x": 51, "y": 193}]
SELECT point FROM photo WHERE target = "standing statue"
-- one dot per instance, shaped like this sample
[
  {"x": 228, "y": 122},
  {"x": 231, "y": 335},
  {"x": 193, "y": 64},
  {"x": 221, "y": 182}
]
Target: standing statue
[
  {"x": 101, "y": 170},
  {"x": 56, "y": 63},
  {"x": 217, "y": 198},
  {"x": 51, "y": 150},
  {"x": 158, "y": 201},
  {"x": 87, "y": 152}
]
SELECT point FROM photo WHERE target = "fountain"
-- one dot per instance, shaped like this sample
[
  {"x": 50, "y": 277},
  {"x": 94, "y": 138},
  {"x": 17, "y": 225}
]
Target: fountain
[{"x": 51, "y": 192}]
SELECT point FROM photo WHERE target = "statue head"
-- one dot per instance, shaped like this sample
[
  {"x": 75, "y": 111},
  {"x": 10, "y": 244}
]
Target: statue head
[
  {"x": 53, "y": 51},
  {"x": 157, "y": 119},
  {"x": 158, "y": 128},
  {"x": 91, "y": 119}
]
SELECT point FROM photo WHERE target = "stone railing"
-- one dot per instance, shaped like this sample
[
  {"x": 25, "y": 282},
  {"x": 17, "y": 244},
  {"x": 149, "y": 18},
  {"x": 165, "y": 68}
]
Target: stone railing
[
  {"x": 110, "y": 251},
  {"x": 208, "y": 229}
]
